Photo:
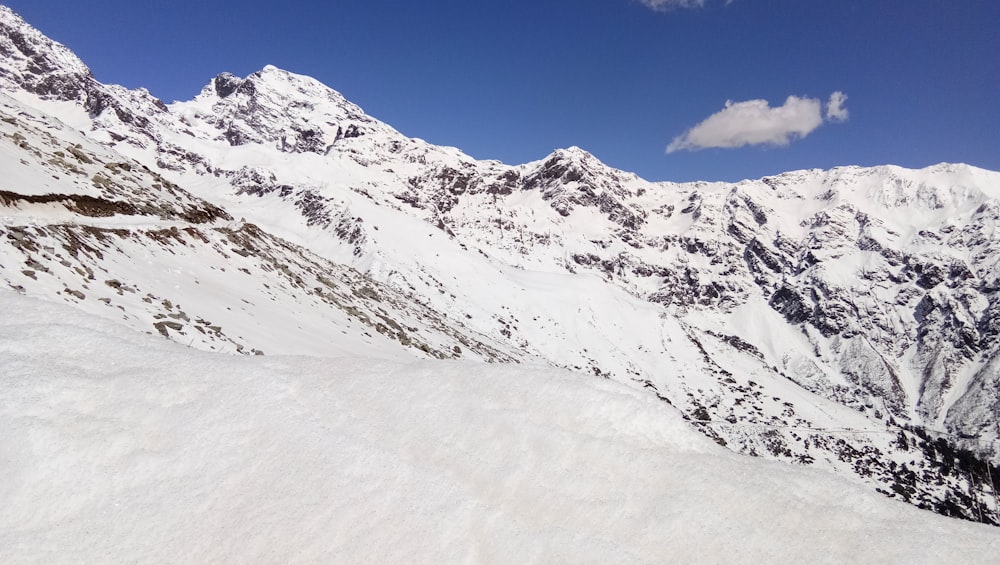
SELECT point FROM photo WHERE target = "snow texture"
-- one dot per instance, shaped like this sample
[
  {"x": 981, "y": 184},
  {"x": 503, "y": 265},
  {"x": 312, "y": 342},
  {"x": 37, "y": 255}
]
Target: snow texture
[{"x": 121, "y": 447}]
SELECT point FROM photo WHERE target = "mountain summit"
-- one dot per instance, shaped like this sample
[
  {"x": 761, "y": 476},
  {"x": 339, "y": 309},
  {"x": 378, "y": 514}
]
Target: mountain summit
[
  {"x": 846, "y": 319},
  {"x": 37, "y": 64}
]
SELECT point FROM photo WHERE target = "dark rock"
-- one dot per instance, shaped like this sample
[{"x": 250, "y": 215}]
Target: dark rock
[{"x": 790, "y": 304}]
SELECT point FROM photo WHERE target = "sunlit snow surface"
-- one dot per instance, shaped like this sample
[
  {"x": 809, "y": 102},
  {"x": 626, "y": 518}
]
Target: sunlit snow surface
[{"x": 122, "y": 447}]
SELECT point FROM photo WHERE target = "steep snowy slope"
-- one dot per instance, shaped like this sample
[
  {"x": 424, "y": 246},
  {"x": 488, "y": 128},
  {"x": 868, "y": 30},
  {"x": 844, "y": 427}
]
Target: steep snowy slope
[
  {"x": 132, "y": 449},
  {"x": 81, "y": 222},
  {"x": 846, "y": 319}
]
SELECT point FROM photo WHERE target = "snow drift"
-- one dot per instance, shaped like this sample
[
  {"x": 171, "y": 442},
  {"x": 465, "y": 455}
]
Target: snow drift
[{"x": 122, "y": 447}]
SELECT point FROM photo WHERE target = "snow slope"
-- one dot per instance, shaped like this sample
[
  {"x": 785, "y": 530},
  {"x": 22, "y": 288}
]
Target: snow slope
[
  {"x": 80, "y": 222},
  {"x": 128, "y": 448}
]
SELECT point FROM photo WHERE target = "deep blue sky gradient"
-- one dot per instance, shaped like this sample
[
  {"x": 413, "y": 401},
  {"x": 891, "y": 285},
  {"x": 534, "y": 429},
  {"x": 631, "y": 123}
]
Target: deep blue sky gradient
[{"x": 514, "y": 80}]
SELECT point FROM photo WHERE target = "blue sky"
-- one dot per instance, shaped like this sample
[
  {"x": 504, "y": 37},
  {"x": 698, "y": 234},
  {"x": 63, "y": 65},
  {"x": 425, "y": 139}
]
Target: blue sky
[{"x": 623, "y": 79}]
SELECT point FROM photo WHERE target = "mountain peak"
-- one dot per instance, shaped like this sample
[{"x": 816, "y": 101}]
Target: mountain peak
[
  {"x": 274, "y": 85},
  {"x": 33, "y": 62},
  {"x": 574, "y": 150},
  {"x": 224, "y": 84},
  {"x": 573, "y": 153},
  {"x": 294, "y": 112}
]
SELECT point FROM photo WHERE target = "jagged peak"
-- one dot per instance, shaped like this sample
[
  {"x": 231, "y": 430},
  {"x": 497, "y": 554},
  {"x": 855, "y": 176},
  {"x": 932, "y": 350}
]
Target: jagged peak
[
  {"x": 272, "y": 86},
  {"x": 26, "y": 50},
  {"x": 573, "y": 154},
  {"x": 224, "y": 84},
  {"x": 283, "y": 83},
  {"x": 574, "y": 151},
  {"x": 33, "y": 63},
  {"x": 8, "y": 16},
  {"x": 578, "y": 163},
  {"x": 294, "y": 112},
  {"x": 565, "y": 157}
]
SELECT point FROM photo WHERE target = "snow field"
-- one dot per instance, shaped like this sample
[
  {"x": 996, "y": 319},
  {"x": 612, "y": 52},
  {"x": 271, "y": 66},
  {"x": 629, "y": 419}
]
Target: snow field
[{"x": 121, "y": 447}]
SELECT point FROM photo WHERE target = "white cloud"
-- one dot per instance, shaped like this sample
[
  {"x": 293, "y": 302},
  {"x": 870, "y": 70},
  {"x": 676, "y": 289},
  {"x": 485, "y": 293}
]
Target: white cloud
[
  {"x": 663, "y": 5},
  {"x": 667, "y": 5},
  {"x": 835, "y": 110},
  {"x": 754, "y": 122}
]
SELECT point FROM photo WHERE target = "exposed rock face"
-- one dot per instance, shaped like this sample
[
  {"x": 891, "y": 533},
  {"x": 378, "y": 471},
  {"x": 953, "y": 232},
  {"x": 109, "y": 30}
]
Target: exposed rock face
[
  {"x": 36, "y": 64},
  {"x": 847, "y": 319},
  {"x": 39, "y": 65},
  {"x": 574, "y": 178}
]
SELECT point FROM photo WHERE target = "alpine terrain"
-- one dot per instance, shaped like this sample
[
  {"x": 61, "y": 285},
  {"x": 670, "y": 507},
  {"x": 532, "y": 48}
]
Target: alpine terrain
[{"x": 846, "y": 320}]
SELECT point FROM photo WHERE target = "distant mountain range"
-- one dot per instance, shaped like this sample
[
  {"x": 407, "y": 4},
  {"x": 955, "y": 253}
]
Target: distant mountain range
[{"x": 846, "y": 319}]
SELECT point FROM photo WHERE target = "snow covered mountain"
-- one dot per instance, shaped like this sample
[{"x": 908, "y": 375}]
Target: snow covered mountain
[{"x": 846, "y": 319}]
